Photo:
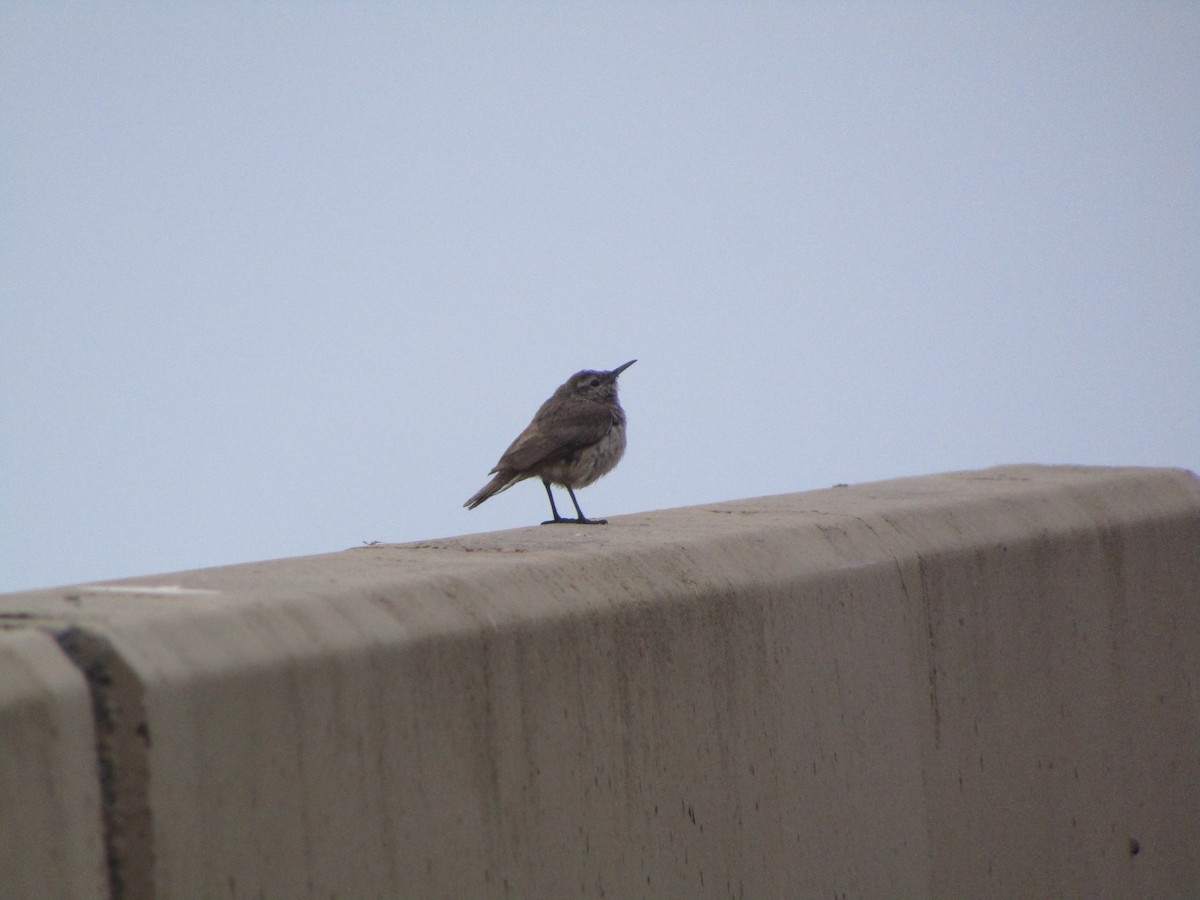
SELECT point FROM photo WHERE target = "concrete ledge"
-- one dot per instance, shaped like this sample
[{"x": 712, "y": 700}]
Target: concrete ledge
[
  {"x": 50, "y": 824},
  {"x": 974, "y": 684}
]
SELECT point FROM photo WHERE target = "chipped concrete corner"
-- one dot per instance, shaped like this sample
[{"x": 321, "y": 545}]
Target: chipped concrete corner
[{"x": 974, "y": 684}]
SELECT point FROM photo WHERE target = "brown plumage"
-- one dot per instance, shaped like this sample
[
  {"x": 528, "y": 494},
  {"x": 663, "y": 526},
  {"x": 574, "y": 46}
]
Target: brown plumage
[{"x": 576, "y": 438}]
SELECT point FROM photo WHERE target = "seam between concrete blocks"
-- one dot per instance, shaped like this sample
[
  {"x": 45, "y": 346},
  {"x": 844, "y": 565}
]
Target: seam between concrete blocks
[{"x": 122, "y": 754}]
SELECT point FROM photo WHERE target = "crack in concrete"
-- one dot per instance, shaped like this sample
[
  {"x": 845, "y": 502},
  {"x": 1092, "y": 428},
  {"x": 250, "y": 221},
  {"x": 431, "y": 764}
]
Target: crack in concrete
[{"x": 122, "y": 751}]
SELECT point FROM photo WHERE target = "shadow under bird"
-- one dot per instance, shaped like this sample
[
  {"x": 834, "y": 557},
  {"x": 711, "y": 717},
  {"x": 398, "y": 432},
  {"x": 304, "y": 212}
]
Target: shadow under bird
[{"x": 576, "y": 438}]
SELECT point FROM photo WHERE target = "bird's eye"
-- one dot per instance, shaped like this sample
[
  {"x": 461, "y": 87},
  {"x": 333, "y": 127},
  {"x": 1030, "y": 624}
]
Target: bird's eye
[{"x": 595, "y": 382}]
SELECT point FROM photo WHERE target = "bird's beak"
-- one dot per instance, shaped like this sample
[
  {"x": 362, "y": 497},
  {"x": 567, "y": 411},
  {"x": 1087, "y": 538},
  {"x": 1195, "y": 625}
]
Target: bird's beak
[{"x": 619, "y": 369}]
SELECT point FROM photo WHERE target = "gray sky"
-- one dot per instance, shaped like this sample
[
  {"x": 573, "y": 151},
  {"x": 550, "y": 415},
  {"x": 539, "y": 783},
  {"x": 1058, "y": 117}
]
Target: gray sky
[{"x": 279, "y": 278}]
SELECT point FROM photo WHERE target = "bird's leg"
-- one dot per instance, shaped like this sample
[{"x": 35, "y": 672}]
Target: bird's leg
[
  {"x": 557, "y": 518},
  {"x": 584, "y": 520}
]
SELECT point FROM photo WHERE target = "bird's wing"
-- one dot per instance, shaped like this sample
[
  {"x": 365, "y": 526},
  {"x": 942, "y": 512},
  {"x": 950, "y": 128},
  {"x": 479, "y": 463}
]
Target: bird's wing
[{"x": 554, "y": 437}]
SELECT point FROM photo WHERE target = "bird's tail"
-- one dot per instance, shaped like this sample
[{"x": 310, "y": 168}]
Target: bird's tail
[{"x": 502, "y": 482}]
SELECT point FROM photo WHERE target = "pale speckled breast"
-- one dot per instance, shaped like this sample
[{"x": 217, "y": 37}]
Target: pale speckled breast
[{"x": 590, "y": 464}]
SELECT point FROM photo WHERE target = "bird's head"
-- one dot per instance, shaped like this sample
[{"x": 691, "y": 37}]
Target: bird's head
[{"x": 600, "y": 386}]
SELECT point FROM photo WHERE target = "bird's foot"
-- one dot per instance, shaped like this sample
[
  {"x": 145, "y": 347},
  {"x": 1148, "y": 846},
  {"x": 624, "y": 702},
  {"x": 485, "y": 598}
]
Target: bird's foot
[{"x": 579, "y": 521}]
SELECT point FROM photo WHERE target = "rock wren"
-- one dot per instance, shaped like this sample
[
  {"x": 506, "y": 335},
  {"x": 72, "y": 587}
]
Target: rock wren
[{"x": 576, "y": 438}]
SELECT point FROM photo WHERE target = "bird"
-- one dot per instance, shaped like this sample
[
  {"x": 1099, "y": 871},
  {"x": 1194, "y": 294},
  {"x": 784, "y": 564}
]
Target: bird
[{"x": 576, "y": 438}]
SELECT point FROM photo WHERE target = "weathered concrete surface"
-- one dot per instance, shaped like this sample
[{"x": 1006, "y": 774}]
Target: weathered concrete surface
[
  {"x": 977, "y": 684},
  {"x": 50, "y": 825}
]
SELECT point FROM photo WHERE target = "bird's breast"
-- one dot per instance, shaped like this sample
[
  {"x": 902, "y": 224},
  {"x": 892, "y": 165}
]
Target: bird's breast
[{"x": 591, "y": 463}]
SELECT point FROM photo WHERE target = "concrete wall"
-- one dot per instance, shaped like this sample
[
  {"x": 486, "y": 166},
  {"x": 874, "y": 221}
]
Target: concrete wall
[
  {"x": 977, "y": 684},
  {"x": 50, "y": 810}
]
